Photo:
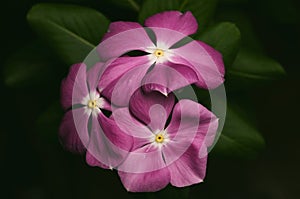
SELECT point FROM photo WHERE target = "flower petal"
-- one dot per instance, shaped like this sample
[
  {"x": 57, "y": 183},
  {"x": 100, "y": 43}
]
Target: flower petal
[
  {"x": 130, "y": 125},
  {"x": 81, "y": 120},
  {"x": 143, "y": 159},
  {"x": 73, "y": 87},
  {"x": 68, "y": 135},
  {"x": 186, "y": 158},
  {"x": 151, "y": 108},
  {"x": 192, "y": 125},
  {"x": 119, "y": 44},
  {"x": 205, "y": 61},
  {"x": 122, "y": 78},
  {"x": 94, "y": 74},
  {"x": 94, "y": 162},
  {"x": 108, "y": 144},
  {"x": 145, "y": 182},
  {"x": 168, "y": 77},
  {"x": 174, "y": 20},
  {"x": 188, "y": 169},
  {"x": 120, "y": 26},
  {"x": 165, "y": 38},
  {"x": 119, "y": 67}
]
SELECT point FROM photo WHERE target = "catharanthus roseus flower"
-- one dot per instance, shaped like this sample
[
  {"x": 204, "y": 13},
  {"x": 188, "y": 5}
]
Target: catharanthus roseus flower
[
  {"x": 164, "y": 153},
  {"x": 148, "y": 138},
  {"x": 83, "y": 126},
  {"x": 194, "y": 61}
]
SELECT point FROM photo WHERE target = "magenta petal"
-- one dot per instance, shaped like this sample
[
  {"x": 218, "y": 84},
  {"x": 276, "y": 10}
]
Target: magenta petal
[
  {"x": 106, "y": 105},
  {"x": 145, "y": 182},
  {"x": 119, "y": 67},
  {"x": 129, "y": 125},
  {"x": 81, "y": 120},
  {"x": 92, "y": 161},
  {"x": 120, "y": 26},
  {"x": 73, "y": 87},
  {"x": 167, "y": 37},
  {"x": 189, "y": 169},
  {"x": 119, "y": 44},
  {"x": 192, "y": 125},
  {"x": 168, "y": 77},
  {"x": 151, "y": 108},
  {"x": 68, "y": 135},
  {"x": 94, "y": 74},
  {"x": 204, "y": 60},
  {"x": 144, "y": 159},
  {"x": 174, "y": 20},
  {"x": 108, "y": 144},
  {"x": 122, "y": 78}
]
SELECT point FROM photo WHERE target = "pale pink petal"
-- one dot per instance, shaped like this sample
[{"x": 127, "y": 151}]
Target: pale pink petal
[
  {"x": 174, "y": 20},
  {"x": 131, "y": 126},
  {"x": 81, "y": 120},
  {"x": 120, "y": 26},
  {"x": 169, "y": 77},
  {"x": 151, "y": 108},
  {"x": 94, "y": 74},
  {"x": 124, "y": 79},
  {"x": 106, "y": 105},
  {"x": 94, "y": 162},
  {"x": 68, "y": 135},
  {"x": 144, "y": 159},
  {"x": 119, "y": 67},
  {"x": 108, "y": 145},
  {"x": 145, "y": 182},
  {"x": 191, "y": 125},
  {"x": 189, "y": 169},
  {"x": 204, "y": 60},
  {"x": 126, "y": 41},
  {"x": 166, "y": 38},
  {"x": 73, "y": 87}
]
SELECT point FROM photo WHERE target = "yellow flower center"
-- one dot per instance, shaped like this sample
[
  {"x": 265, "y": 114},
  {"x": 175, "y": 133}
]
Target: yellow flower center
[
  {"x": 159, "y": 138},
  {"x": 159, "y": 53},
  {"x": 92, "y": 104}
]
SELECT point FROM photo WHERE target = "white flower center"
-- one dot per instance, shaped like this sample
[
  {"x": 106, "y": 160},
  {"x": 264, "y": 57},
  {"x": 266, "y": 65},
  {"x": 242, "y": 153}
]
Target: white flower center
[
  {"x": 160, "y": 53},
  {"x": 93, "y": 102},
  {"x": 160, "y": 138}
]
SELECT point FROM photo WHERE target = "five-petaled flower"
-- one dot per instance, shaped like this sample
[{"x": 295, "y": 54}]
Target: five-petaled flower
[
  {"x": 164, "y": 153},
  {"x": 165, "y": 62},
  {"x": 84, "y": 126}
]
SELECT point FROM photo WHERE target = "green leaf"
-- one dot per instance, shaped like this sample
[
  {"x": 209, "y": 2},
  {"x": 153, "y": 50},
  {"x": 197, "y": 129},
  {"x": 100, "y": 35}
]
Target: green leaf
[
  {"x": 131, "y": 4},
  {"x": 151, "y": 7},
  {"x": 244, "y": 23},
  {"x": 239, "y": 138},
  {"x": 251, "y": 69},
  {"x": 203, "y": 10},
  {"x": 224, "y": 37},
  {"x": 48, "y": 122},
  {"x": 30, "y": 65},
  {"x": 72, "y": 31}
]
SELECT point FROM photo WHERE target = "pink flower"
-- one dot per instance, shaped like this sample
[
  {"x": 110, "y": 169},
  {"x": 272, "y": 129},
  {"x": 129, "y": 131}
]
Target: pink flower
[
  {"x": 84, "y": 126},
  {"x": 164, "y": 153},
  {"x": 165, "y": 63}
]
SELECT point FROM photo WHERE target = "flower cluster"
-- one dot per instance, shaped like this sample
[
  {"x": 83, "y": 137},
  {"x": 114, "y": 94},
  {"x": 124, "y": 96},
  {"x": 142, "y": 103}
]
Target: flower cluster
[{"x": 123, "y": 113}]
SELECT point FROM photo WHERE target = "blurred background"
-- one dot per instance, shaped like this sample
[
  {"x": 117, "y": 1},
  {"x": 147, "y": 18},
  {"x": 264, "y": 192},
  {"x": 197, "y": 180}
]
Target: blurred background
[{"x": 34, "y": 165}]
